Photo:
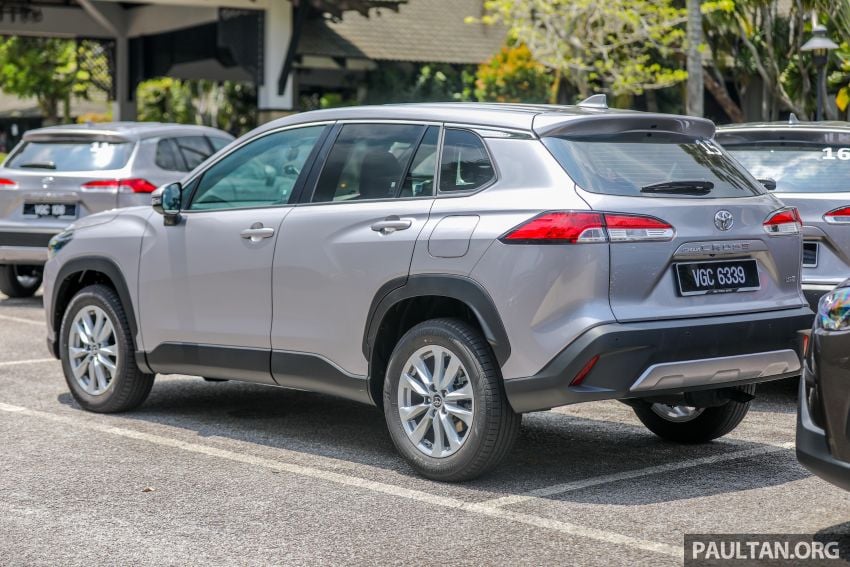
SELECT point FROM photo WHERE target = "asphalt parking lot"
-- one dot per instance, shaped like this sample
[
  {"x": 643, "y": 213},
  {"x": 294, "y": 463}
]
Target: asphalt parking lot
[{"x": 228, "y": 473}]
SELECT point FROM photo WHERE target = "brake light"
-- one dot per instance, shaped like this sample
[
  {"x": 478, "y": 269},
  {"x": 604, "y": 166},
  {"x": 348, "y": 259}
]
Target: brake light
[
  {"x": 134, "y": 185},
  {"x": 7, "y": 183},
  {"x": 575, "y": 227},
  {"x": 783, "y": 221},
  {"x": 838, "y": 216}
]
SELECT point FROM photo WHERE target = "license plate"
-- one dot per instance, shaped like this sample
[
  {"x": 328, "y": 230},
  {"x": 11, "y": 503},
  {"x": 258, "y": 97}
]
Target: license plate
[
  {"x": 56, "y": 210},
  {"x": 810, "y": 254},
  {"x": 726, "y": 276}
]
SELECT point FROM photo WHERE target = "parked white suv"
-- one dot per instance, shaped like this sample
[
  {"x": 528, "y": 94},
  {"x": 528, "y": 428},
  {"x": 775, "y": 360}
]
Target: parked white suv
[{"x": 456, "y": 264}]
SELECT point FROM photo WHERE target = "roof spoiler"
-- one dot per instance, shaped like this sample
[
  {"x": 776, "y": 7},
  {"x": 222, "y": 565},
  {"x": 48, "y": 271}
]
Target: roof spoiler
[
  {"x": 621, "y": 123},
  {"x": 74, "y": 136}
]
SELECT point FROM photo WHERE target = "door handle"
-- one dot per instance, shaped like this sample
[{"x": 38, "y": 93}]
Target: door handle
[
  {"x": 257, "y": 232},
  {"x": 391, "y": 224}
]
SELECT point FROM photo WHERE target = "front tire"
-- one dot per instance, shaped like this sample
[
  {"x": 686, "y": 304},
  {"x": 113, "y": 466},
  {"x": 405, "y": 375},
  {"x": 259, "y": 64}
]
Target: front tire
[
  {"x": 683, "y": 424},
  {"x": 445, "y": 403},
  {"x": 98, "y": 353},
  {"x": 20, "y": 281}
]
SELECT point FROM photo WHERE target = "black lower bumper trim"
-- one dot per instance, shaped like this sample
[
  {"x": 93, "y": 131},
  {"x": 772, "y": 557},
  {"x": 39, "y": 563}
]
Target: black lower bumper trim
[
  {"x": 813, "y": 449},
  {"x": 625, "y": 350}
]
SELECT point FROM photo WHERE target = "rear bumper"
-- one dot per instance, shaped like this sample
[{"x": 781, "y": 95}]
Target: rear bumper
[
  {"x": 667, "y": 357},
  {"x": 24, "y": 247},
  {"x": 23, "y": 255}
]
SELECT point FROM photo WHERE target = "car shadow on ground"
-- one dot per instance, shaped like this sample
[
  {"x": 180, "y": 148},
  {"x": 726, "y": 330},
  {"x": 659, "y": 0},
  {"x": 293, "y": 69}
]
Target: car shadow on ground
[{"x": 552, "y": 448}]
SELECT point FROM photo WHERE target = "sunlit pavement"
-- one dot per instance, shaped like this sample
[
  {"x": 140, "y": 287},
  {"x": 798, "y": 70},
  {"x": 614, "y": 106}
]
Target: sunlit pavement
[{"x": 229, "y": 473}]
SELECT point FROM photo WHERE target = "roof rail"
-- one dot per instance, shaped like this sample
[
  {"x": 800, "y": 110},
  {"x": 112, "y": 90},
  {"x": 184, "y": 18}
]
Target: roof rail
[
  {"x": 595, "y": 101},
  {"x": 792, "y": 119}
]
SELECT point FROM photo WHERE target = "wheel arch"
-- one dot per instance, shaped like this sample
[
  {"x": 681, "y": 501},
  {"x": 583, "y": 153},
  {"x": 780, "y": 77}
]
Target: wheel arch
[
  {"x": 82, "y": 272},
  {"x": 448, "y": 295}
]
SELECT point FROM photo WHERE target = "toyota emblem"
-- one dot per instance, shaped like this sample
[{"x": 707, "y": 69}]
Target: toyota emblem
[{"x": 723, "y": 220}]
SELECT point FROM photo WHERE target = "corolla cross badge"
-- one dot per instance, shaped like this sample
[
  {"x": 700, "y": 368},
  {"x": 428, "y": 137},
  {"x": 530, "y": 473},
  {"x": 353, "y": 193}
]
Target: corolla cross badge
[{"x": 723, "y": 220}]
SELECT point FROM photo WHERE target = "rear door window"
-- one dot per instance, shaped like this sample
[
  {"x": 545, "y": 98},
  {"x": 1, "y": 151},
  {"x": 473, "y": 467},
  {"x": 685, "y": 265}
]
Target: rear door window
[
  {"x": 168, "y": 157},
  {"x": 367, "y": 161},
  {"x": 465, "y": 163},
  {"x": 797, "y": 167},
  {"x": 194, "y": 149},
  {"x": 636, "y": 167},
  {"x": 77, "y": 155}
]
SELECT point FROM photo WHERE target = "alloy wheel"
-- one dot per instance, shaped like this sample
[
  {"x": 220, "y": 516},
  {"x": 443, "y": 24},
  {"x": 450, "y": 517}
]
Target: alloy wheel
[
  {"x": 435, "y": 401},
  {"x": 92, "y": 350},
  {"x": 678, "y": 414}
]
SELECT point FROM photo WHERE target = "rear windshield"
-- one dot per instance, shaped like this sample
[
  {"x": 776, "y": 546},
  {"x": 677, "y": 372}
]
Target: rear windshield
[
  {"x": 71, "y": 156},
  {"x": 637, "y": 168},
  {"x": 798, "y": 168}
]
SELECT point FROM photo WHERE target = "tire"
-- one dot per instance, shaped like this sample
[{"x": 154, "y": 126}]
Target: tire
[
  {"x": 128, "y": 386},
  {"x": 485, "y": 441},
  {"x": 20, "y": 281},
  {"x": 709, "y": 424}
]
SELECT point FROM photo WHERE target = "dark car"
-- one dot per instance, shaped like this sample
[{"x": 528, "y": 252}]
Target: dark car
[{"x": 823, "y": 422}]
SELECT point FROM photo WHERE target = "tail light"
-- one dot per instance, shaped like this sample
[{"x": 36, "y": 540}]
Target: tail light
[
  {"x": 7, "y": 183},
  {"x": 134, "y": 185},
  {"x": 840, "y": 215},
  {"x": 783, "y": 221},
  {"x": 577, "y": 227}
]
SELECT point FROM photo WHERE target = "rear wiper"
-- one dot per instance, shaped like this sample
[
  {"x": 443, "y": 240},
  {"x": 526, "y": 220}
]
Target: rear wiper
[
  {"x": 679, "y": 187},
  {"x": 39, "y": 165}
]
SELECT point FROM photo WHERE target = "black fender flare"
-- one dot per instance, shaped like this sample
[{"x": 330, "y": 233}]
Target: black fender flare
[
  {"x": 84, "y": 264},
  {"x": 462, "y": 288}
]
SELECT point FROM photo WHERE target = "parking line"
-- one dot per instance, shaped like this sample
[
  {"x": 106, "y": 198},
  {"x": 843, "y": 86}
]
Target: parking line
[
  {"x": 557, "y": 489},
  {"x": 362, "y": 483},
  {"x": 21, "y": 320},
  {"x": 30, "y": 361}
]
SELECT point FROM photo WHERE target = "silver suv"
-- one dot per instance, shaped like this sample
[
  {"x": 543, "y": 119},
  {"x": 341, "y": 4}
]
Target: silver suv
[
  {"x": 59, "y": 174},
  {"x": 808, "y": 165},
  {"x": 455, "y": 264}
]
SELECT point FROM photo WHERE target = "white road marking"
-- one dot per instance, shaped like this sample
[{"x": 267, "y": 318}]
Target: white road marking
[
  {"x": 556, "y": 489},
  {"x": 21, "y": 320},
  {"x": 30, "y": 361},
  {"x": 361, "y": 483}
]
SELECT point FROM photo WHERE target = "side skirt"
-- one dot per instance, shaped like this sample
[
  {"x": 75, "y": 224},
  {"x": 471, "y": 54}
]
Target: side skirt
[{"x": 296, "y": 370}]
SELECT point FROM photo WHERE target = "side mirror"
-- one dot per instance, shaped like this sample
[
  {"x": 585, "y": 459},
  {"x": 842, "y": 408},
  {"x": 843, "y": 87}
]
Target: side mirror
[
  {"x": 769, "y": 184},
  {"x": 167, "y": 202}
]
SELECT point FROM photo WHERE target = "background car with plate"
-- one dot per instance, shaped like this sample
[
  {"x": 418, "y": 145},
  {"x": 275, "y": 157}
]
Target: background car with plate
[
  {"x": 807, "y": 165},
  {"x": 59, "y": 174}
]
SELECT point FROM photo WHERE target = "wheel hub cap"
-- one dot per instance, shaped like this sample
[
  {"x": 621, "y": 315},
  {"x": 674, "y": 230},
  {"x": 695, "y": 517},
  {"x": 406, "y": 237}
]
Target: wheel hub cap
[
  {"x": 435, "y": 401},
  {"x": 92, "y": 350}
]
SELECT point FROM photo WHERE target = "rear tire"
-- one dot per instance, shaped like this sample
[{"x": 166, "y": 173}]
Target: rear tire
[
  {"x": 464, "y": 425},
  {"x": 20, "y": 281},
  {"x": 706, "y": 425},
  {"x": 96, "y": 342}
]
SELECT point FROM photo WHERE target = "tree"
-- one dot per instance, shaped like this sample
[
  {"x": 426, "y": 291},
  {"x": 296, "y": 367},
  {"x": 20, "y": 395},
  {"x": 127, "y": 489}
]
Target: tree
[
  {"x": 48, "y": 70},
  {"x": 513, "y": 75},
  {"x": 618, "y": 46},
  {"x": 762, "y": 38},
  {"x": 695, "y": 76}
]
